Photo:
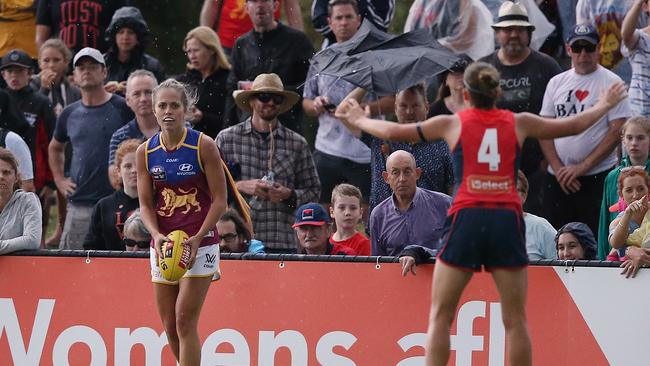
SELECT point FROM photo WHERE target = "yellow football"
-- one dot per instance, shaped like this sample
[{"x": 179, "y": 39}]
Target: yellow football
[{"x": 175, "y": 259}]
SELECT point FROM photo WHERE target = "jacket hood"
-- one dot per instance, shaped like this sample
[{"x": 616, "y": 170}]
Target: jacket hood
[
  {"x": 585, "y": 237},
  {"x": 127, "y": 16}
]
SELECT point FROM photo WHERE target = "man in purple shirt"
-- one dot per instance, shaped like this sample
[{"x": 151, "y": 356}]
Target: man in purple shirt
[{"x": 411, "y": 215}]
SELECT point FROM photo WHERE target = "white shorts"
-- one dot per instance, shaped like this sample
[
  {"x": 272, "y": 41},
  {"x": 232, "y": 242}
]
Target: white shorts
[{"x": 205, "y": 265}]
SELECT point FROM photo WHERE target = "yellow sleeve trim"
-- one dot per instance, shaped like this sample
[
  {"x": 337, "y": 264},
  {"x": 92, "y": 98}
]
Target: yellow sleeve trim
[{"x": 198, "y": 151}]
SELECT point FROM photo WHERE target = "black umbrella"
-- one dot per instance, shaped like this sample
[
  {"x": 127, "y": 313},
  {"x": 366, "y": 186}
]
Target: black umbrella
[
  {"x": 388, "y": 66},
  {"x": 366, "y": 37}
]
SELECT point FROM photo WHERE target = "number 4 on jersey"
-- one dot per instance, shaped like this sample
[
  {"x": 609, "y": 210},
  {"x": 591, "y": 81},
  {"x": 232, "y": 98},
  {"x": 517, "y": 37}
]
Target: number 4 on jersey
[{"x": 488, "y": 152}]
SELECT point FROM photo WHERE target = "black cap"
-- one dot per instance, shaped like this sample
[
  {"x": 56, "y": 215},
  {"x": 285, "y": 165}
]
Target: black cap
[{"x": 16, "y": 57}]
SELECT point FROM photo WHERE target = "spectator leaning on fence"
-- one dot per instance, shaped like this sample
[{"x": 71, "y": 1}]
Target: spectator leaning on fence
[{"x": 411, "y": 215}]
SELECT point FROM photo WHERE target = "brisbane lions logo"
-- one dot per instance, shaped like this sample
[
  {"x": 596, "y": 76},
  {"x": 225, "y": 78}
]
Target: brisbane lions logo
[{"x": 187, "y": 200}]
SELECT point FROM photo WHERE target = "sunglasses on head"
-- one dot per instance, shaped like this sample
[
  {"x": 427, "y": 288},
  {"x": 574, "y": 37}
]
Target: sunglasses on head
[
  {"x": 228, "y": 236},
  {"x": 578, "y": 47},
  {"x": 266, "y": 97},
  {"x": 636, "y": 168},
  {"x": 139, "y": 243}
]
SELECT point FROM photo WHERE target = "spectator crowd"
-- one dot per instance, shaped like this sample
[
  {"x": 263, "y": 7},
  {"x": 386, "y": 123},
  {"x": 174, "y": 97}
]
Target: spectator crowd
[{"x": 76, "y": 102}]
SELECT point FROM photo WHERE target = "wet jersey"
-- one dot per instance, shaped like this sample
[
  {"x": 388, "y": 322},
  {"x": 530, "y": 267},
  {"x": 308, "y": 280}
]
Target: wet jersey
[
  {"x": 486, "y": 160},
  {"x": 181, "y": 193}
]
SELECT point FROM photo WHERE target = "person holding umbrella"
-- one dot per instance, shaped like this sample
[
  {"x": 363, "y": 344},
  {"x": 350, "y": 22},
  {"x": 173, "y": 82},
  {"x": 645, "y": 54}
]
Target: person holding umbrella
[
  {"x": 340, "y": 157},
  {"x": 485, "y": 226}
]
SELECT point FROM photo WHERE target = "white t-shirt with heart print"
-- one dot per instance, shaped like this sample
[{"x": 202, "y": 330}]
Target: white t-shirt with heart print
[{"x": 570, "y": 93}]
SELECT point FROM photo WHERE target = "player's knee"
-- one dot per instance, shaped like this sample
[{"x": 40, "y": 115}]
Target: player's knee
[
  {"x": 441, "y": 315},
  {"x": 186, "y": 324},
  {"x": 514, "y": 320}
]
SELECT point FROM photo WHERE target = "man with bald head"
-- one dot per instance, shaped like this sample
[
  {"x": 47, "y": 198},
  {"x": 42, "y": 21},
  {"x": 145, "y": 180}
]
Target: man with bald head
[{"x": 411, "y": 215}]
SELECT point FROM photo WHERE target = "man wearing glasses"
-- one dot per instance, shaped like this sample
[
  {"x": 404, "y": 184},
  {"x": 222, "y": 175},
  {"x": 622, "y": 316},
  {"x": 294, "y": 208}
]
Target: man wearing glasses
[
  {"x": 579, "y": 164},
  {"x": 273, "y": 165}
]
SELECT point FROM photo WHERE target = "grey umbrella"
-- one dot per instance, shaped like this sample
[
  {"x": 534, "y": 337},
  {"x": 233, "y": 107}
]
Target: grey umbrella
[
  {"x": 384, "y": 64},
  {"x": 366, "y": 37}
]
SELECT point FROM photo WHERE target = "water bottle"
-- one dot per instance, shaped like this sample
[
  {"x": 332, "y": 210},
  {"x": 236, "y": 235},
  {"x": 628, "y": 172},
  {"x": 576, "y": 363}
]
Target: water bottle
[{"x": 255, "y": 203}]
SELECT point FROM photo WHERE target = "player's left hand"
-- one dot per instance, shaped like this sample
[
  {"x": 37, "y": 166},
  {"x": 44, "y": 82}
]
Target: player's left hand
[
  {"x": 194, "y": 243},
  {"x": 350, "y": 111}
]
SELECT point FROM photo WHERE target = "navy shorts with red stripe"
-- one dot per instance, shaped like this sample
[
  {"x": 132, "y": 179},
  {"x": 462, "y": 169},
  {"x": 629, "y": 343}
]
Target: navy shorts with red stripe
[{"x": 490, "y": 237}]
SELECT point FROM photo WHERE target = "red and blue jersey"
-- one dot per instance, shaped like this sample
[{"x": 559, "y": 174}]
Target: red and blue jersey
[
  {"x": 486, "y": 159},
  {"x": 181, "y": 192}
]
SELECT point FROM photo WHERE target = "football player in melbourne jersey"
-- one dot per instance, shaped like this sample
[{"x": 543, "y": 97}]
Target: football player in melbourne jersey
[
  {"x": 485, "y": 225},
  {"x": 181, "y": 186}
]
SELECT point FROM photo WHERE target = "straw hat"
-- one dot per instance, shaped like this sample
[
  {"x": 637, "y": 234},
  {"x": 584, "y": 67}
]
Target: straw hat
[
  {"x": 266, "y": 83},
  {"x": 512, "y": 14}
]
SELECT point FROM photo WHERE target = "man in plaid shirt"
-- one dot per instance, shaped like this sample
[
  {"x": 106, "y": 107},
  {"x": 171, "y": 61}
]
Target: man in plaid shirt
[{"x": 273, "y": 165}]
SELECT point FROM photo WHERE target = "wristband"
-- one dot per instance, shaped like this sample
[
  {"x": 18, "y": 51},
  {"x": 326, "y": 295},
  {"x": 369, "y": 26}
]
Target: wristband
[{"x": 418, "y": 128}]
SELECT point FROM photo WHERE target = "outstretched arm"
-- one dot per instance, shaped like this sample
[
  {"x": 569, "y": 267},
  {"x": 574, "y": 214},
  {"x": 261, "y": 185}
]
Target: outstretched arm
[
  {"x": 531, "y": 125},
  {"x": 439, "y": 127}
]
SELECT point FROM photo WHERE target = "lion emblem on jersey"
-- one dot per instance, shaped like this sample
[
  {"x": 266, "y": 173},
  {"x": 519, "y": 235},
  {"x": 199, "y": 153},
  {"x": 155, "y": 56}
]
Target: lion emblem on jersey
[{"x": 186, "y": 200}]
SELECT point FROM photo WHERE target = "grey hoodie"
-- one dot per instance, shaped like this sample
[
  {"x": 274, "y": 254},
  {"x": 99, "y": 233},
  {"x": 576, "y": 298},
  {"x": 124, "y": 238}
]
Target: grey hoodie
[{"x": 21, "y": 223}]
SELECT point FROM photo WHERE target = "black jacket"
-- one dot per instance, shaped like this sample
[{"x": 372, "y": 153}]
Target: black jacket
[
  {"x": 212, "y": 99},
  {"x": 107, "y": 223},
  {"x": 38, "y": 113},
  {"x": 130, "y": 17},
  {"x": 10, "y": 117},
  {"x": 283, "y": 51},
  {"x": 117, "y": 71}
]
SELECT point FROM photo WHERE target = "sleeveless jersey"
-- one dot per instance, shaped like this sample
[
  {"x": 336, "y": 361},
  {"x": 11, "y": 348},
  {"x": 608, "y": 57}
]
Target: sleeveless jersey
[
  {"x": 486, "y": 159},
  {"x": 181, "y": 193}
]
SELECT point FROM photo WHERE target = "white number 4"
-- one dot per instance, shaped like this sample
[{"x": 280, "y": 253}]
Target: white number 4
[{"x": 488, "y": 152}]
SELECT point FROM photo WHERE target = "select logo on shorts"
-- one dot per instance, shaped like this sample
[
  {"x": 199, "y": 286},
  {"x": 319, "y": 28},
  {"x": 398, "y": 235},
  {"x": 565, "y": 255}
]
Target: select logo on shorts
[
  {"x": 489, "y": 184},
  {"x": 158, "y": 173}
]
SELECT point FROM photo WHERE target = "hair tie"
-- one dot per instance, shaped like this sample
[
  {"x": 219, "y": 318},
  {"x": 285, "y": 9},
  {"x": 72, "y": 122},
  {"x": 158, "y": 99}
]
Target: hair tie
[{"x": 476, "y": 91}]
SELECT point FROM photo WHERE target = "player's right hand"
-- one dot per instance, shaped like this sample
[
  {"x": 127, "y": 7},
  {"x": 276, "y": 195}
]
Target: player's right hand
[{"x": 158, "y": 241}]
